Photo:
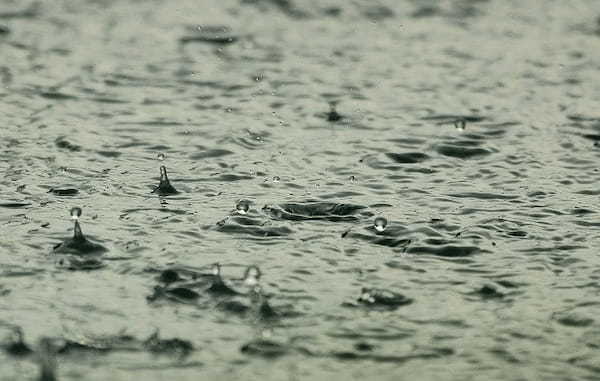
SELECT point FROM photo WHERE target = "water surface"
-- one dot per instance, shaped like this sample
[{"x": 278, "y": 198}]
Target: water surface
[{"x": 473, "y": 127}]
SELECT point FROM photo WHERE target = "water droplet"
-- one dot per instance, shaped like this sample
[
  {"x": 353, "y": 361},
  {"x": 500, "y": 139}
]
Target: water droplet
[
  {"x": 164, "y": 187},
  {"x": 460, "y": 124},
  {"x": 266, "y": 334},
  {"x": 251, "y": 276},
  {"x": 333, "y": 115},
  {"x": 216, "y": 269},
  {"x": 380, "y": 224},
  {"x": 161, "y": 157},
  {"x": 242, "y": 207},
  {"x": 76, "y": 213},
  {"x": 276, "y": 179},
  {"x": 352, "y": 178},
  {"x": 366, "y": 296}
]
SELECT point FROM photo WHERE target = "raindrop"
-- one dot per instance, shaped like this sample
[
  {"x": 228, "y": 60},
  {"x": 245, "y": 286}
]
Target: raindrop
[
  {"x": 380, "y": 224},
  {"x": 161, "y": 157},
  {"x": 164, "y": 187},
  {"x": 218, "y": 286},
  {"x": 460, "y": 124},
  {"x": 333, "y": 115},
  {"x": 242, "y": 207},
  {"x": 216, "y": 269},
  {"x": 76, "y": 213},
  {"x": 251, "y": 276},
  {"x": 78, "y": 244}
]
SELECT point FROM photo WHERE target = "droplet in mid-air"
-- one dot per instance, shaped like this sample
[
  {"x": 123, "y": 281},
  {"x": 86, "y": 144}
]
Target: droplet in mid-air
[
  {"x": 78, "y": 244},
  {"x": 164, "y": 187},
  {"x": 242, "y": 207},
  {"x": 76, "y": 213},
  {"x": 380, "y": 224}
]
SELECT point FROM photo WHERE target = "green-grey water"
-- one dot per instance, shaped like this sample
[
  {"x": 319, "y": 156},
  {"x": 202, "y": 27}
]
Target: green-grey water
[{"x": 471, "y": 126}]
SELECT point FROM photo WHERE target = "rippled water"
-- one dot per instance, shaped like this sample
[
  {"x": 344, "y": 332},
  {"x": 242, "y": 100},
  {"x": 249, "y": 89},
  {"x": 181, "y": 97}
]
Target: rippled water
[{"x": 472, "y": 127}]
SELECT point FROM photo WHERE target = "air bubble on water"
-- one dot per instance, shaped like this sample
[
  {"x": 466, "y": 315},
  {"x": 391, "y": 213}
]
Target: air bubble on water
[
  {"x": 161, "y": 157},
  {"x": 76, "y": 213},
  {"x": 380, "y": 224},
  {"x": 242, "y": 207}
]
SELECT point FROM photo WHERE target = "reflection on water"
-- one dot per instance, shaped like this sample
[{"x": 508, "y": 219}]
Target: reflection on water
[{"x": 353, "y": 188}]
